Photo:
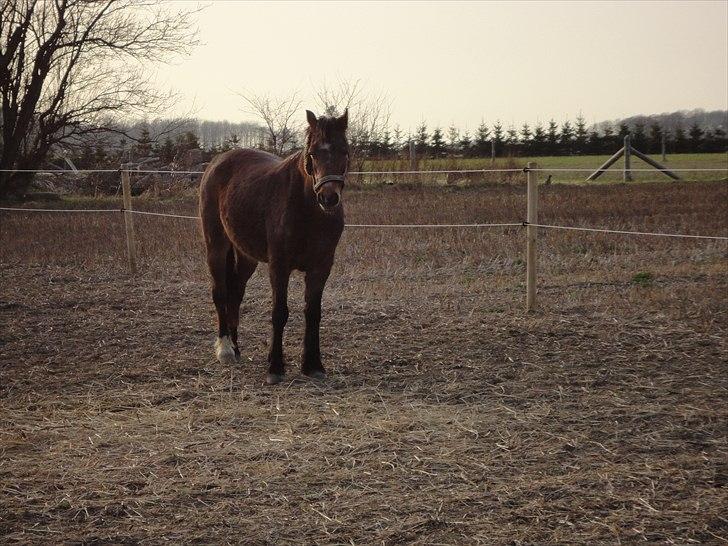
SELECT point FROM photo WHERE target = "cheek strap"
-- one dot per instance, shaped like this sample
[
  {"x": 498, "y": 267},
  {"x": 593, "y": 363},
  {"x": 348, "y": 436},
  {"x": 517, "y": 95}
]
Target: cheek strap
[{"x": 326, "y": 179}]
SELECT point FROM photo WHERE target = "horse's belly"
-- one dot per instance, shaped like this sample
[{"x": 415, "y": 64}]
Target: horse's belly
[
  {"x": 255, "y": 248},
  {"x": 248, "y": 237}
]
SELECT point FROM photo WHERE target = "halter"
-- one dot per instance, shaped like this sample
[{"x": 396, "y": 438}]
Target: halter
[{"x": 328, "y": 178}]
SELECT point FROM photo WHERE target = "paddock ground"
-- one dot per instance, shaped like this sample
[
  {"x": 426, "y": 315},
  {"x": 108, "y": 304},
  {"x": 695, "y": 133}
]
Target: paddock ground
[{"x": 449, "y": 415}]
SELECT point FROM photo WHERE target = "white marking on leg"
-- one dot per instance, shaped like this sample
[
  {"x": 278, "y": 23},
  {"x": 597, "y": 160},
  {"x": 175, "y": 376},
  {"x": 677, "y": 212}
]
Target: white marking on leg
[{"x": 224, "y": 350}]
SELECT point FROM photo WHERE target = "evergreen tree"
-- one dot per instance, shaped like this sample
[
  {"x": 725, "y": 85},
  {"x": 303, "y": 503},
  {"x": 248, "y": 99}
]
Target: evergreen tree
[
  {"x": 385, "y": 145},
  {"x": 639, "y": 139},
  {"x": 655, "y": 139},
  {"x": 608, "y": 141},
  {"x": 187, "y": 141},
  {"x": 623, "y": 131},
  {"x": 481, "y": 144},
  {"x": 539, "y": 140},
  {"x": 552, "y": 138},
  {"x": 233, "y": 140},
  {"x": 719, "y": 142},
  {"x": 465, "y": 144},
  {"x": 511, "y": 141},
  {"x": 680, "y": 140},
  {"x": 580, "y": 135},
  {"x": 397, "y": 140},
  {"x": 437, "y": 143},
  {"x": 421, "y": 138},
  {"x": 166, "y": 151},
  {"x": 593, "y": 143},
  {"x": 453, "y": 140},
  {"x": 526, "y": 144},
  {"x": 696, "y": 135},
  {"x": 566, "y": 138},
  {"x": 497, "y": 135},
  {"x": 372, "y": 146},
  {"x": 144, "y": 145}
]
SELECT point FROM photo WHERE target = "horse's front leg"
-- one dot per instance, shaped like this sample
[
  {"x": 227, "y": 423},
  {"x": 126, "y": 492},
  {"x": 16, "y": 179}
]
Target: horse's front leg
[
  {"x": 279, "y": 275},
  {"x": 315, "y": 281}
]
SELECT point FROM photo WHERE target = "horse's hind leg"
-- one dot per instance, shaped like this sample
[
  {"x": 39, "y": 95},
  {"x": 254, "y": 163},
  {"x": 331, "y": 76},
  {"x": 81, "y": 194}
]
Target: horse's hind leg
[{"x": 239, "y": 269}]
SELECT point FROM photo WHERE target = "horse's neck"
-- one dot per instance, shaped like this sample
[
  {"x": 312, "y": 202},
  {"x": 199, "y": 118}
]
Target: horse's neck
[{"x": 293, "y": 164}]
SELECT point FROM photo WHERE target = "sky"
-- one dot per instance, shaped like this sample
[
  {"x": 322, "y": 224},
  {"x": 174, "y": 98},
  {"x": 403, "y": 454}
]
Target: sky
[{"x": 450, "y": 62}]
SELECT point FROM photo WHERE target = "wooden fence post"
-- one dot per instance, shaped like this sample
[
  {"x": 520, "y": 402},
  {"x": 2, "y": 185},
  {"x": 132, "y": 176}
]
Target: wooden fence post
[
  {"x": 413, "y": 160},
  {"x": 600, "y": 171},
  {"x": 412, "y": 156},
  {"x": 662, "y": 145},
  {"x": 627, "y": 174},
  {"x": 532, "y": 232},
  {"x": 492, "y": 152},
  {"x": 129, "y": 221}
]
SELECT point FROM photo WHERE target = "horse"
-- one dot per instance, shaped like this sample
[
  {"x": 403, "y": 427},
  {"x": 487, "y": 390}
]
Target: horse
[{"x": 257, "y": 207}]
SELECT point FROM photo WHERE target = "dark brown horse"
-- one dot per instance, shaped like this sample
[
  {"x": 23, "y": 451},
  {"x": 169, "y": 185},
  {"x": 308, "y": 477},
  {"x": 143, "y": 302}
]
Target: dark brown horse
[{"x": 256, "y": 207}]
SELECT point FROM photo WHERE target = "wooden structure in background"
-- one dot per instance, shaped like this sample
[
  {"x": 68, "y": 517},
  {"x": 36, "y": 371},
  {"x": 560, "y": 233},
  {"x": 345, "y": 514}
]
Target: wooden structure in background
[{"x": 627, "y": 150}]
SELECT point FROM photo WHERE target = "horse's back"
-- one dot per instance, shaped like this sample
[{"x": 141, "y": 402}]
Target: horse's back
[
  {"x": 233, "y": 195},
  {"x": 239, "y": 164}
]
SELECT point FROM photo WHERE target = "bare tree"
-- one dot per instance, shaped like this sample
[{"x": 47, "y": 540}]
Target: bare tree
[
  {"x": 278, "y": 115},
  {"x": 369, "y": 113},
  {"x": 71, "y": 67}
]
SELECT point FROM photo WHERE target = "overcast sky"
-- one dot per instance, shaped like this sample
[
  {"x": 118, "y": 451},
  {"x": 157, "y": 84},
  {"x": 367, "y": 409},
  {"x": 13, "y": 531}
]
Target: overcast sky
[{"x": 457, "y": 62}]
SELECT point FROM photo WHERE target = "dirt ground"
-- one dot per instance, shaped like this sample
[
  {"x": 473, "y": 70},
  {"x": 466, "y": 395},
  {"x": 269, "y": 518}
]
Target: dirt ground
[{"x": 449, "y": 416}]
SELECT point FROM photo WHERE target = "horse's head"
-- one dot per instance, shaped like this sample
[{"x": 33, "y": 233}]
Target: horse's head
[{"x": 327, "y": 157}]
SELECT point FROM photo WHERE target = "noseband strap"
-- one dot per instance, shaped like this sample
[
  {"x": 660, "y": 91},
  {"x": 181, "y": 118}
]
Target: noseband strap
[{"x": 326, "y": 179}]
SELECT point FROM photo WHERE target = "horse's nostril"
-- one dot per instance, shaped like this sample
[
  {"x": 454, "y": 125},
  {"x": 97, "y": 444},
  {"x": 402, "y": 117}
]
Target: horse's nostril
[{"x": 329, "y": 201}]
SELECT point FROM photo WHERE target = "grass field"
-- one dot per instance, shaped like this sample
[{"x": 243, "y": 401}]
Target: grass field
[
  {"x": 591, "y": 163},
  {"x": 449, "y": 417}
]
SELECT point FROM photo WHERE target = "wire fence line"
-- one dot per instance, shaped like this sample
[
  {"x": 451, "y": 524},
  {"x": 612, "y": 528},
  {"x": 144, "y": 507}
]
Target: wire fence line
[
  {"x": 625, "y": 232},
  {"x": 18, "y": 209},
  {"x": 403, "y": 226},
  {"x": 452, "y": 171}
]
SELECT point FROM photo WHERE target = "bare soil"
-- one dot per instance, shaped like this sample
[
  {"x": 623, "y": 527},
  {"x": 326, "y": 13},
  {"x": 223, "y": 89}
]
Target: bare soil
[{"x": 449, "y": 415}]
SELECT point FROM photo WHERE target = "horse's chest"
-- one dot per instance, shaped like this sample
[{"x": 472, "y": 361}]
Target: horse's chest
[{"x": 310, "y": 245}]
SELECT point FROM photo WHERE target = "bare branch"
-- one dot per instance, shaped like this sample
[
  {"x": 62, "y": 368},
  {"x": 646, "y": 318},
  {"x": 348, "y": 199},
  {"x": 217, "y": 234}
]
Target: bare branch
[
  {"x": 369, "y": 112},
  {"x": 67, "y": 64},
  {"x": 277, "y": 114}
]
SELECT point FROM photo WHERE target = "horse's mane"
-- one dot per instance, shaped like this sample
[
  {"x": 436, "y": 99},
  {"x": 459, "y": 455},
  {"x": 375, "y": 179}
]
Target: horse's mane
[{"x": 326, "y": 127}]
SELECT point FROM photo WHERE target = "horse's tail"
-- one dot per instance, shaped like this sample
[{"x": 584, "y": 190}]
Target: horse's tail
[{"x": 213, "y": 181}]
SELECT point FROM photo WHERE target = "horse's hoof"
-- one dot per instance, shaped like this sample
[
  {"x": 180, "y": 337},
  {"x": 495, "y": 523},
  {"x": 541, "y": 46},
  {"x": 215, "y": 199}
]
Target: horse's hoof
[
  {"x": 273, "y": 378},
  {"x": 318, "y": 375},
  {"x": 225, "y": 351}
]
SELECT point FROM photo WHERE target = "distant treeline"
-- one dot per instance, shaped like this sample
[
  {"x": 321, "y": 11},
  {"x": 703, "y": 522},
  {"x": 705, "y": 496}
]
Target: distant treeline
[
  {"x": 568, "y": 138},
  {"x": 685, "y": 132},
  {"x": 165, "y": 139}
]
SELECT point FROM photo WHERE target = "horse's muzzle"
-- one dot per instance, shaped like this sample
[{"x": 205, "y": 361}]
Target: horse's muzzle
[
  {"x": 328, "y": 191},
  {"x": 328, "y": 201}
]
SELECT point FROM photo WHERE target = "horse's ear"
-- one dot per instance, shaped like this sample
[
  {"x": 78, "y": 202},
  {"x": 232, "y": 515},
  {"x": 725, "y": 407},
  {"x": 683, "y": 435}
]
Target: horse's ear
[
  {"x": 311, "y": 117},
  {"x": 344, "y": 119}
]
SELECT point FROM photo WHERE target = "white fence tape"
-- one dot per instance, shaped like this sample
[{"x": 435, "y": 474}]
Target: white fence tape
[
  {"x": 455, "y": 171},
  {"x": 404, "y": 226}
]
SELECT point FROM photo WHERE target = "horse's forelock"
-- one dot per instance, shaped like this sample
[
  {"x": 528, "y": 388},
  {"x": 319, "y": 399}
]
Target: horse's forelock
[{"x": 325, "y": 131}]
